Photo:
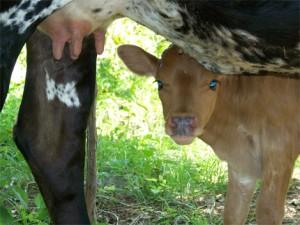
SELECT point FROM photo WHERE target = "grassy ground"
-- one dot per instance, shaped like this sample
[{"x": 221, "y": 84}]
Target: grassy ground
[{"x": 143, "y": 177}]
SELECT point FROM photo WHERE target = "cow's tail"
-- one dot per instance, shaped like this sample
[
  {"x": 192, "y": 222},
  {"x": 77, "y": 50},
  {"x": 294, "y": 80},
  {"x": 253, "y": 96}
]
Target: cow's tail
[
  {"x": 8, "y": 59},
  {"x": 5, "y": 74}
]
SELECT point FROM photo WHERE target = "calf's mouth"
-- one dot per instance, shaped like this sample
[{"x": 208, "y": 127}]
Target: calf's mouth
[{"x": 183, "y": 140}]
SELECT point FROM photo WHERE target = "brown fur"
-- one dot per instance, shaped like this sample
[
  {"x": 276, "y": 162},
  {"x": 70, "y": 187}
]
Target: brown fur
[{"x": 251, "y": 122}]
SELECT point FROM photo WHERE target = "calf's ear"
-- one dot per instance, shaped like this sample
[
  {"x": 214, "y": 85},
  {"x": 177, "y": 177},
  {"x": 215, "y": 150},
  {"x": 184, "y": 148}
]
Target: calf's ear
[{"x": 138, "y": 60}]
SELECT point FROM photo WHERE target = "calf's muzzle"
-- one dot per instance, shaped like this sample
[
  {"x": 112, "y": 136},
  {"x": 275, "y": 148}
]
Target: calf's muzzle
[{"x": 181, "y": 129}]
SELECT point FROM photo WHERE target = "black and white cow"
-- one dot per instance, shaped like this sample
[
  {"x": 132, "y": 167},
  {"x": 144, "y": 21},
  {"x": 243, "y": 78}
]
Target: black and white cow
[
  {"x": 225, "y": 36},
  {"x": 18, "y": 20}
]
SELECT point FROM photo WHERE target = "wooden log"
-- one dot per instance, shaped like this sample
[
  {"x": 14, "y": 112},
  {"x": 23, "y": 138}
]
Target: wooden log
[{"x": 91, "y": 170}]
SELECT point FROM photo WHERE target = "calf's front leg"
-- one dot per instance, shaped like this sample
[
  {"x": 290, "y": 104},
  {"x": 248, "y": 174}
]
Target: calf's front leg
[
  {"x": 277, "y": 171},
  {"x": 239, "y": 194},
  {"x": 50, "y": 130}
]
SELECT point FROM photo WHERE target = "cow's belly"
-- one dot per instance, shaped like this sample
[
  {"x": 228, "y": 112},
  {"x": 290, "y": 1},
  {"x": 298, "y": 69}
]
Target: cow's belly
[{"x": 218, "y": 50}]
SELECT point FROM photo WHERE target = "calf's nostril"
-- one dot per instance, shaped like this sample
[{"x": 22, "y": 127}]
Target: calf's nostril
[
  {"x": 192, "y": 122},
  {"x": 175, "y": 120},
  {"x": 183, "y": 125},
  {"x": 187, "y": 120},
  {"x": 171, "y": 123}
]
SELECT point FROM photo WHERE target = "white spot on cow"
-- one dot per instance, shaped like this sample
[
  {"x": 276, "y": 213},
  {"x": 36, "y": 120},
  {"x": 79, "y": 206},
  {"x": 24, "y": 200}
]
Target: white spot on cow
[
  {"x": 279, "y": 62},
  {"x": 65, "y": 93},
  {"x": 246, "y": 35},
  {"x": 223, "y": 34},
  {"x": 160, "y": 16},
  {"x": 246, "y": 180},
  {"x": 242, "y": 129},
  {"x": 298, "y": 47},
  {"x": 243, "y": 179}
]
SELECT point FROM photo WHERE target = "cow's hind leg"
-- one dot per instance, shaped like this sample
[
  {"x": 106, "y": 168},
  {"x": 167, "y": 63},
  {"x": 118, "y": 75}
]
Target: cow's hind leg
[{"x": 50, "y": 130}]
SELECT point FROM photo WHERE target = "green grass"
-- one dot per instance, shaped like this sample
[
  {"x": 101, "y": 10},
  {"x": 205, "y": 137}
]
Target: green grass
[
  {"x": 298, "y": 163},
  {"x": 16, "y": 179},
  {"x": 143, "y": 177}
]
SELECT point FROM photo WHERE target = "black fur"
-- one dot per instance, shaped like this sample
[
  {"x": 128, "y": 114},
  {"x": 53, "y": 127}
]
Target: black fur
[
  {"x": 275, "y": 22},
  {"x": 10, "y": 46},
  {"x": 7, "y": 4},
  {"x": 12, "y": 41}
]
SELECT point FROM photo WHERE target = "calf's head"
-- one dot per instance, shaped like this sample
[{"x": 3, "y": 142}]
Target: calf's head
[{"x": 187, "y": 90}]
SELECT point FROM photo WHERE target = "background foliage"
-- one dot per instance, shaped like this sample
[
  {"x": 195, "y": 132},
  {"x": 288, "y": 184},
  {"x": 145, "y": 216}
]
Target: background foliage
[{"x": 143, "y": 177}]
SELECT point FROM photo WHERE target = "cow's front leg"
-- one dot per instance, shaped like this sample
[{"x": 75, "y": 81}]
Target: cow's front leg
[
  {"x": 50, "y": 130},
  {"x": 277, "y": 170},
  {"x": 238, "y": 197}
]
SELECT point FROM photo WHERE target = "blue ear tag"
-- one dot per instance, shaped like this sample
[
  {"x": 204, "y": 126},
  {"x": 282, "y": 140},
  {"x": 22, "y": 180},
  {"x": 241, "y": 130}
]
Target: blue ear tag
[{"x": 213, "y": 84}]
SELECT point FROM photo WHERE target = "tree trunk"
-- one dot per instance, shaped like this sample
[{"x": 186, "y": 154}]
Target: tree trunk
[{"x": 91, "y": 183}]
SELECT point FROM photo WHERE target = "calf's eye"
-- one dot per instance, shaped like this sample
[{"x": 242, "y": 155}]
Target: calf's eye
[
  {"x": 213, "y": 84},
  {"x": 160, "y": 84}
]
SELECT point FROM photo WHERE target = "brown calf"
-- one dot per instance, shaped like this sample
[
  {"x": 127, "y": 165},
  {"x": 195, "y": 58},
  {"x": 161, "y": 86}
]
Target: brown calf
[{"x": 251, "y": 122}]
